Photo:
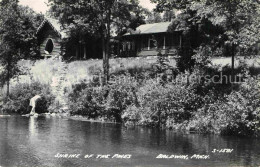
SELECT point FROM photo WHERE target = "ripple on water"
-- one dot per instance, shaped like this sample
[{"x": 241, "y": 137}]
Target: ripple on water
[{"x": 35, "y": 142}]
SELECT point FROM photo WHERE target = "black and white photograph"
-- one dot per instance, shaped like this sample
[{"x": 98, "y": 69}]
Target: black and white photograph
[{"x": 129, "y": 83}]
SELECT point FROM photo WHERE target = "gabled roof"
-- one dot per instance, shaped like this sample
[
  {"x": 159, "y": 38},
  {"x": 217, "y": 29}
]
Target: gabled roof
[
  {"x": 55, "y": 25},
  {"x": 151, "y": 28}
]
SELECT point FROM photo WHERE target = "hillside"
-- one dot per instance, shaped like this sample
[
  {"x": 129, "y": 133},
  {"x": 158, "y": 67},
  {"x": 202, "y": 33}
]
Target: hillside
[
  {"x": 61, "y": 76},
  {"x": 48, "y": 71}
]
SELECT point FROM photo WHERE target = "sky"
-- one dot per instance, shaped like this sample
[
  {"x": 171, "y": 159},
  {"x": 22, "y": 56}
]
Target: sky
[
  {"x": 40, "y": 5},
  {"x": 36, "y": 5}
]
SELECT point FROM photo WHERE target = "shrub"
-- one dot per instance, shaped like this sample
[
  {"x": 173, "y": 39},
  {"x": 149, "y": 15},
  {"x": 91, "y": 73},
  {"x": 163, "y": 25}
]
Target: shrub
[
  {"x": 108, "y": 101},
  {"x": 159, "y": 103},
  {"x": 242, "y": 109},
  {"x": 122, "y": 92},
  {"x": 205, "y": 107},
  {"x": 21, "y": 94},
  {"x": 85, "y": 101},
  {"x": 237, "y": 113},
  {"x": 185, "y": 62},
  {"x": 148, "y": 102},
  {"x": 132, "y": 114}
]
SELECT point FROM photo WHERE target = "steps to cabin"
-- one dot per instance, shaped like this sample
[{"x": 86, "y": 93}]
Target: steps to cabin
[{"x": 58, "y": 86}]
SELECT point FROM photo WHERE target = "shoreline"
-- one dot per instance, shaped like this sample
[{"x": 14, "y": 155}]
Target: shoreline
[
  {"x": 124, "y": 124},
  {"x": 65, "y": 115}
]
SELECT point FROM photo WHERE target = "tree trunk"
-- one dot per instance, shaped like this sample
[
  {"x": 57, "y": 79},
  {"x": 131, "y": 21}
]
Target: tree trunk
[
  {"x": 77, "y": 52},
  {"x": 85, "y": 52},
  {"x": 8, "y": 88},
  {"x": 233, "y": 63},
  {"x": 94, "y": 49},
  {"x": 106, "y": 50},
  {"x": 104, "y": 61},
  {"x": 108, "y": 45},
  {"x": 8, "y": 82},
  {"x": 118, "y": 49}
]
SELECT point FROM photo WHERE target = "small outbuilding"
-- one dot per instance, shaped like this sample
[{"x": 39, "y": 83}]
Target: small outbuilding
[{"x": 50, "y": 36}]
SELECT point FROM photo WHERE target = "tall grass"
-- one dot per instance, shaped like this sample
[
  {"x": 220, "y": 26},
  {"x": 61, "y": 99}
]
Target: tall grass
[{"x": 45, "y": 71}]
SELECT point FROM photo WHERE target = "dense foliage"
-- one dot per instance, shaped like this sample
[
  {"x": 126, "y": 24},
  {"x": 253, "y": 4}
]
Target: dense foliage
[
  {"x": 181, "y": 103},
  {"x": 17, "y": 37},
  {"x": 107, "y": 102},
  {"x": 20, "y": 95},
  {"x": 237, "y": 113},
  {"x": 229, "y": 27}
]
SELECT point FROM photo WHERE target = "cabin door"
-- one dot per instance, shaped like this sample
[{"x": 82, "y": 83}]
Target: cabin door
[{"x": 49, "y": 47}]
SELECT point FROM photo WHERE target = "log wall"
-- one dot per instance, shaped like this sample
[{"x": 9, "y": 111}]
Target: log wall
[{"x": 48, "y": 33}]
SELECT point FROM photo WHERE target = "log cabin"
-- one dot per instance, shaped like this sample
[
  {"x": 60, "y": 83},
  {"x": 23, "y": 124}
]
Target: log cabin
[
  {"x": 148, "y": 39},
  {"x": 53, "y": 40}
]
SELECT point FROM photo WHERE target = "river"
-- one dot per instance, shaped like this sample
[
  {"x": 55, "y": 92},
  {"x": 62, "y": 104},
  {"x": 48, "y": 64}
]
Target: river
[{"x": 45, "y": 141}]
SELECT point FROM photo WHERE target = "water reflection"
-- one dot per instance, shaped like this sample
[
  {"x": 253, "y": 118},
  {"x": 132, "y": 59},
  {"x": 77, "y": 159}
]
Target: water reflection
[
  {"x": 35, "y": 141},
  {"x": 33, "y": 131}
]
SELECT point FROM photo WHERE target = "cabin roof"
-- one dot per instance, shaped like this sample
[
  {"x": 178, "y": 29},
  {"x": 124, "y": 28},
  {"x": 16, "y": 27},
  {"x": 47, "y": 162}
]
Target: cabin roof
[
  {"x": 56, "y": 26},
  {"x": 151, "y": 28}
]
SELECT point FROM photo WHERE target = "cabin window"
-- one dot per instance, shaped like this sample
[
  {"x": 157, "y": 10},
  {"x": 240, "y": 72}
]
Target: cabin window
[
  {"x": 128, "y": 46},
  {"x": 152, "y": 44},
  {"x": 133, "y": 46},
  {"x": 124, "y": 46},
  {"x": 145, "y": 44},
  {"x": 160, "y": 42},
  {"x": 49, "y": 46}
]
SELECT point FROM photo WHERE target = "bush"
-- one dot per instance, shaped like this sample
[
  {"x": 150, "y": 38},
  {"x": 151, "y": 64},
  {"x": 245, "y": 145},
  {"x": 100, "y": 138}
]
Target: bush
[
  {"x": 86, "y": 101},
  {"x": 107, "y": 102},
  {"x": 236, "y": 114},
  {"x": 242, "y": 109},
  {"x": 122, "y": 92},
  {"x": 132, "y": 114},
  {"x": 149, "y": 102},
  {"x": 205, "y": 107},
  {"x": 158, "y": 102},
  {"x": 21, "y": 94}
]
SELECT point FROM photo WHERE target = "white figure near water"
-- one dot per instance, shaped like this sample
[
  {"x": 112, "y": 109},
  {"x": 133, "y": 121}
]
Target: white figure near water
[{"x": 33, "y": 103}]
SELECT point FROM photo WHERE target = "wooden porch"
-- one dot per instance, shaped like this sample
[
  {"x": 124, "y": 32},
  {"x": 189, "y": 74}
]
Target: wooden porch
[{"x": 150, "y": 44}]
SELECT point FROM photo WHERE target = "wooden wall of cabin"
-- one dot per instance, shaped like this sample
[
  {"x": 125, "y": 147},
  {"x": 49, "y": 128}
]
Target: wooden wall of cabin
[
  {"x": 163, "y": 40},
  {"x": 145, "y": 44},
  {"x": 91, "y": 49},
  {"x": 47, "y": 33}
]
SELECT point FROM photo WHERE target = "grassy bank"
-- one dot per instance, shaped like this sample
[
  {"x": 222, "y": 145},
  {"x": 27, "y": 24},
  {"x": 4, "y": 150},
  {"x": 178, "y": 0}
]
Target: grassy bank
[
  {"x": 142, "y": 92},
  {"x": 43, "y": 71}
]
